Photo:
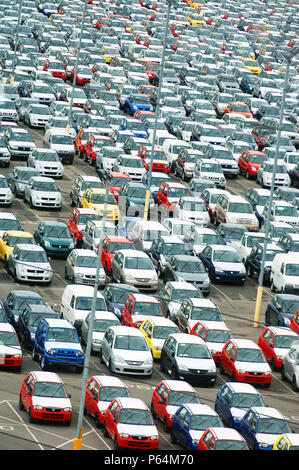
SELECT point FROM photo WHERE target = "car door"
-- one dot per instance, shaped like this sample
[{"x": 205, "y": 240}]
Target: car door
[
  {"x": 89, "y": 395},
  {"x": 26, "y": 391},
  {"x": 266, "y": 342},
  {"x": 226, "y": 357}
]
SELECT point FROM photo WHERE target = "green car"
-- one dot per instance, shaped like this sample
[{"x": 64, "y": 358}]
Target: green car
[{"x": 55, "y": 238}]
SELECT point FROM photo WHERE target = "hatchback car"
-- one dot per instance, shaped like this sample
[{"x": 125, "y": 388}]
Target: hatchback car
[
  {"x": 290, "y": 367},
  {"x": 187, "y": 268},
  {"x": 215, "y": 334},
  {"x": 187, "y": 357},
  {"x": 275, "y": 343},
  {"x": 42, "y": 192},
  {"x": 223, "y": 264},
  {"x": 172, "y": 295},
  {"x": 54, "y": 236},
  {"x": 135, "y": 268},
  {"x": 100, "y": 391},
  {"x": 234, "y": 399},
  {"x": 44, "y": 396},
  {"x": 10, "y": 349},
  {"x": 219, "y": 438},
  {"x": 287, "y": 441},
  {"x": 244, "y": 361},
  {"x": 190, "y": 422},
  {"x": 16, "y": 300},
  {"x": 10, "y": 239},
  {"x": 262, "y": 425},
  {"x": 137, "y": 307},
  {"x": 130, "y": 424},
  {"x": 29, "y": 263},
  {"x": 46, "y": 162},
  {"x": 115, "y": 295},
  {"x": 102, "y": 321},
  {"x": 156, "y": 330},
  {"x": 193, "y": 310},
  {"x": 280, "y": 309},
  {"x": 80, "y": 267},
  {"x": 125, "y": 351},
  {"x": 29, "y": 319}
]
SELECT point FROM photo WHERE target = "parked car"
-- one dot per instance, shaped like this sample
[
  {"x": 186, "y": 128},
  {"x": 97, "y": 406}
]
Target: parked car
[
  {"x": 11, "y": 350},
  {"x": 275, "y": 343},
  {"x": 102, "y": 321},
  {"x": 29, "y": 263},
  {"x": 55, "y": 238},
  {"x": 290, "y": 366},
  {"x": 29, "y": 319},
  {"x": 219, "y": 438}
]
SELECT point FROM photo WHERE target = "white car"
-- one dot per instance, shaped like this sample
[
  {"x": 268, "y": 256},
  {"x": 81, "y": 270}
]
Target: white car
[
  {"x": 192, "y": 209},
  {"x": 19, "y": 142},
  {"x": 5, "y": 192},
  {"x": 57, "y": 124},
  {"x": 265, "y": 174},
  {"x": 80, "y": 267},
  {"x": 4, "y": 153},
  {"x": 37, "y": 115},
  {"x": 291, "y": 159},
  {"x": 125, "y": 351},
  {"x": 248, "y": 240},
  {"x": 131, "y": 165},
  {"x": 210, "y": 170},
  {"x": 8, "y": 110},
  {"x": 197, "y": 238},
  {"x": 177, "y": 227},
  {"x": 29, "y": 263},
  {"x": 62, "y": 142},
  {"x": 43, "y": 192},
  {"x": 42, "y": 92},
  {"x": 46, "y": 162},
  {"x": 102, "y": 321}
]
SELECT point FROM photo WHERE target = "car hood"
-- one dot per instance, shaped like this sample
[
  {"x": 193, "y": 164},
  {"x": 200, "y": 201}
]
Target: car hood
[
  {"x": 51, "y": 402},
  {"x": 33, "y": 265},
  {"x": 62, "y": 345},
  {"x": 141, "y": 273},
  {"x": 58, "y": 241},
  {"x": 192, "y": 363},
  {"x": 252, "y": 367},
  {"x": 49, "y": 194},
  {"x": 139, "y": 430},
  {"x": 269, "y": 439},
  {"x": 19, "y": 143},
  {"x": 128, "y": 355},
  {"x": 9, "y": 350},
  {"x": 236, "y": 267},
  {"x": 191, "y": 277}
]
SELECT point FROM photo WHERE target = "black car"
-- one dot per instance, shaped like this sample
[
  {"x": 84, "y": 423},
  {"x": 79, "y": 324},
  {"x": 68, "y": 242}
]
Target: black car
[
  {"x": 172, "y": 295},
  {"x": 289, "y": 242},
  {"x": 294, "y": 175},
  {"x": 115, "y": 296},
  {"x": 29, "y": 319},
  {"x": 162, "y": 250},
  {"x": 3, "y": 314},
  {"x": 253, "y": 262},
  {"x": 281, "y": 309},
  {"x": 15, "y": 302}
]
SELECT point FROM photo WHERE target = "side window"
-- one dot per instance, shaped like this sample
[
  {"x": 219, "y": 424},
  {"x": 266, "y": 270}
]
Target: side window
[
  {"x": 91, "y": 385},
  {"x": 150, "y": 330},
  {"x": 95, "y": 393},
  {"x": 182, "y": 414}
]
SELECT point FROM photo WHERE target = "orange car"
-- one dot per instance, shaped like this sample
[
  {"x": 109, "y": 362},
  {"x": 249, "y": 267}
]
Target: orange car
[{"x": 238, "y": 108}]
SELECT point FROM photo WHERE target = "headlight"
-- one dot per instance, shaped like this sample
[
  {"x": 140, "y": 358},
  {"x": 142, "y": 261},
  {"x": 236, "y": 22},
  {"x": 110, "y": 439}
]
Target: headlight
[
  {"x": 79, "y": 353},
  {"x": 263, "y": 444},
  {"x": 119, "y": 359},
  {"x": 130, "y": 277},
  {"x": 68, "y": 408},
  {"x": 52, "y": 352},
  {"x": 17, "y": 356},
  {"x": 72, "y": 245},
  {"x": 154, "y": 278},
  {"x": 220, "y": 270},
  {"x": 47, "y": 244},
  {"x": 117, "y": 311},
  {"x": 243, "y": 270},
  {"x": 97, "y": 341},
  {"x": 37, "y": 407},
  {"x": 126, "y": 436},
  {"x": 183, "y": 367},
  {"x": 149, "y": 361},
  {"x": 212, "y": 368},
  {"x": 241, "y": 371},
  {"x": 154, "y": 438}
]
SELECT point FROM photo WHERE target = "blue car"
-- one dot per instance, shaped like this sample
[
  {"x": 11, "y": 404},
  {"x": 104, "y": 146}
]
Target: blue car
[
  {"x": 233, "y": 400},
  {"x": 16, "y": 301},
  {"x": 261, "y": 426},
  {"x": 137, "y": 102},
  {"x": 223, "y": 263},
  {"x": 115, "y": 296},
  {"x": 28, "y": 321},
  {"x": 190, "y": 422}
]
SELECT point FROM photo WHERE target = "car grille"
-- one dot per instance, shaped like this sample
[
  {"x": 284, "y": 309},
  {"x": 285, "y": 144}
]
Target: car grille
[{"x": 134, "y": 363}]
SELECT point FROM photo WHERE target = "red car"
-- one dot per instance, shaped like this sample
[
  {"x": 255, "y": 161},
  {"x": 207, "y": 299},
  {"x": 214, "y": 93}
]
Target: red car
[
  {"x": 160, "y": 162},
  {"x": 81, "y": 140},
  {"x": 294, "y": 324},
  {"x": 103, "y": 22},
  {"x": 241, "y": 109},
  {"x": 168, "y": 396},
  {"x": 275, "y": 342},
  {"x": 250, "y": 161},
  {"x": 111, "y": 245},
  {"x": 11, "y": 352},
  {"x": 215, "y": 335},
  {"x": 78, "y": 220},
  {"x": 116, "y": 181},
  {"x": 261, "y": 135},
  {"x": 151, "y": 69},
  {"x": 81, "y": 78},
  {"x": 138, "y": 307},
  {"x": 93, "y": 145},
  {"x": 170, "y": 193},
  {"x": 44, "y": 396},
  {"x": 222, "y": 439},
  {"x": 56, "y": 68},
  {"x": 244, "y": 361},
  {"x": 126, "y": 420},
  {"x": 100, "y": 391}
]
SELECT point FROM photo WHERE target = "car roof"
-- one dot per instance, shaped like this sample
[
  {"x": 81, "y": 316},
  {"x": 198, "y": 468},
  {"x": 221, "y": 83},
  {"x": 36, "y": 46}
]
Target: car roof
[
  {"x": 282, "y": 331},
  {"x": 160, "y": 321},
  {"x": 186, "y": 338},
  {"x": 5, "y": 326},
  {"x": 244, "y": 343},
  {"x": 200, "y": 408},
  {"x": 214, "y": 325},
  {"x": 58, "y": 322},
  {"x": 205, "y": 302},
  {"x": 145, "y": 298},
  {"x": 226, "y": 433},
  {"x": 109, "y": 381},
  {"x": 126, "y": 330},
  {"x": 267, "y": 411},
  {"x": 239, "y": 387},
  {"x": 130, "y": 402},
  {"x": 45, "y": 376},
  {"x": 178, "y": 385}
]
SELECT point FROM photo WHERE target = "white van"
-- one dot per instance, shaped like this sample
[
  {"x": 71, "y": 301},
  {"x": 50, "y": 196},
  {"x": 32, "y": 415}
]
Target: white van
[
  {"x": 76, "y": 304},
  {"x": 145, "y": 231},
  {"x": 284, "y": 275}
]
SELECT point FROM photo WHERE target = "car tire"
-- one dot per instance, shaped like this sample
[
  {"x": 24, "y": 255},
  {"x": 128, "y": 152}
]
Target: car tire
[
  {"x": 34, "y": 355},
  {"x": 31, "y": 420},
  {"x": 115, "y": 444},
  {"x": 247, "y": 175},
  {"x": 106, "y": 434},
  {"x": 221, "y": 368},
  {"x": 43, "y": 364},
  {"x": 174, "y": 374},
  {"x": 173, "y": 439},
  {"x": 21, "y": 406},
  {"x": 282, "y": 373},
  {"x": 294, "y": 384},
  {"x": 153, "y": 412},
  {"x": 97, "y": 421},
  {"x": 272, "y": 286}
]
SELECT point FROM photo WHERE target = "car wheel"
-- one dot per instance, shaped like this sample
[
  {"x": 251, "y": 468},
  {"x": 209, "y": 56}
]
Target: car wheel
[
  {"x": 43, "y": 363},
  {"x": 272, "y": 286},
  {"x": 34, "y": 355},
  {"x": 97, "y": 421},
  {"x": 283, "y": 374},
  {"x": 294, "y": 384},
  {"x": 247, "y": 175},
  {"x": 221, "y": 369},
  {"x": 31, "y": 420},
  {"x": 165, "y": 426},
  {"x": 106, "y": 434},
  {"x": 174, "y": 374},
  {"x": 249, "y": 270},
  {"x": 115, "y": 444},
  {"x": 153, "y": 412},
  {"x": 173, "y": 439},
  {"x": 21, "y": 406}
]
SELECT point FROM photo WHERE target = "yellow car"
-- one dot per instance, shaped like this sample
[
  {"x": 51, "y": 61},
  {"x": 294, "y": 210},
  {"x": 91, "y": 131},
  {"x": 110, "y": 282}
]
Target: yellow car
[
  {"x": 195, "y": 5},
  {"x": 109, "y": 53},
  {"x": 196, "y": 20},
  {"x": 287, "y": 442},
  {"x": 94, "y": 198},
  {"x": 10, "y": 239},
  {"x": 156, "y": 331},
  {"x": 253, "y": 66}
]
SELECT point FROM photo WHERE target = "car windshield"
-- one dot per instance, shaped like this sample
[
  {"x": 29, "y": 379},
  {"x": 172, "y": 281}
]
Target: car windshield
[
  {"x": 18, "y": 303},
  {"x": 138, "y": 263},
  {"x": 109, "y": 393},
  {"x": 246, "y": 400},
  {"x": 48, "y": 157},
  {"x": 86, "y": 261},
  {"x": 195, "y": 206},
  {"x": 3, "y": 183},
  {"x": 289, "y": 306},
  {"x": 85, "y": 303},
  {"x": 272, "y": 426},
  {"x": 205, "y": 421},
  {"x": 57, "y": 232},
  {"x": 84, "y": 218},
  {"x": 284, "y": 341},
  {"x": 44, "y": 186},
  {"x": 10, "y": 224},
  {"x": 12, "y": 241},
  {"x": 206, "y": 313},
  {"x": 250, "y": 355},
  {"x": 232, "y": 234},
  {"x": 196, "y": 351},
  {"x": 100, "y": 199},
  {"x": 49, "y": 389},
  {"x": 270, "y": 254},
  {"x": 135, "y": 417},
  {"x": 174, "y": 249},
  {"x": 33, "y": 256},
  {"x": 176, "y": 398},
  {"x": 116, "y": 246},
  {"x": 137, "y": 192},
  {"x": 148, "y": 308},
  {"x": 131, "y": 343},
  {"x": 190, "y": 267},
  {"x": 211, "y": 168},
  {"x": 257, "y": 158},
  {"x": 21, "y": 137},
  {"x": 36, "y": 317},
  {"x": 161, "y": 332},
  {"x": 180, "y": 229},
  {"x": 207, "y": 239},
  {"x": 228, "y": 444},
  {"x": 178, "y": 295},
  {"x": 62, "y": 335},
  {"x": 218, "y": 336},
  {"x": 177, "y": 192},
  {"x": 62, "y": 140},
  {"x": 132, "y": 163},
  {"x": 286, "y": 211},
  {"x": 226, "y": 256},
  {"x": 241, "y": 207},
  {"x": 100, "y": 326},
  {"x": 292, "y": 269},
  {"x": 24, "y": 175},
  {"x": 7, "y": 338}
]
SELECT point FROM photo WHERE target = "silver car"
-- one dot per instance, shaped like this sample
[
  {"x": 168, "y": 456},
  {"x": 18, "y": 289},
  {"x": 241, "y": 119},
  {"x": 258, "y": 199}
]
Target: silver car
[
  {"x": 5, "y": 192},
  {"x": 125, "y": 351},
  {"x": 46, "y": 162},
  {"x": 290, "y": 366},
  {"x": 135, "y": 268},
  {"x": 29, "y": 263},
  {"x": 102, "y": 321},
  {"x": 43, "y": 192},
  {"x": 80, "y": 267}
]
